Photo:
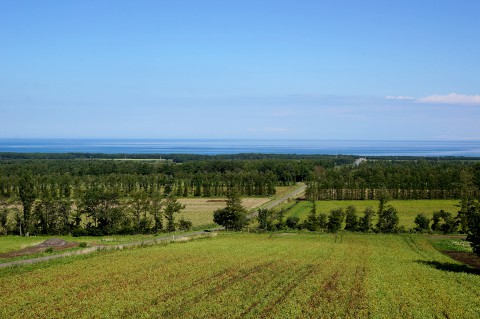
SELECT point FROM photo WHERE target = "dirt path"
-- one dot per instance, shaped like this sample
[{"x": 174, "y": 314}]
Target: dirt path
[{"x": 89, "y": 250}]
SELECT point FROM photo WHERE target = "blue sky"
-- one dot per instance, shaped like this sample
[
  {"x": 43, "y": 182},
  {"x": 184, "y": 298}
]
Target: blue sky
[{"x": 240, "y": 69}]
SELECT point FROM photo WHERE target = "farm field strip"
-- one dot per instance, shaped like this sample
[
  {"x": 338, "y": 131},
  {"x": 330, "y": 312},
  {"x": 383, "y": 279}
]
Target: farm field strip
[
  {"x": 200, "y": 210},
  {"x": 407, "y": 209},
  {"x": 250, "y": 276}
]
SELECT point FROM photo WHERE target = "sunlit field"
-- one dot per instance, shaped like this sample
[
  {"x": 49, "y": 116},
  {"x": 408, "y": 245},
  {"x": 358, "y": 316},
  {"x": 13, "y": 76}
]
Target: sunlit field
[
  {"x": 250, "y": 276},
  {"x": 407, "y": 209},
  {"x": 200, "y": 210}
]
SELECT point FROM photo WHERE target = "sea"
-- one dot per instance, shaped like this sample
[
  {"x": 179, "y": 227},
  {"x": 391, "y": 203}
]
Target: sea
[{"x": 235, "y": 146}]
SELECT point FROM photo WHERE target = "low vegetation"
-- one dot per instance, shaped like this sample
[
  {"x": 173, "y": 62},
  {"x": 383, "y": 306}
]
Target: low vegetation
[
  {"x": 407, "y": 209},
  {"x": 251, "y": 276}
]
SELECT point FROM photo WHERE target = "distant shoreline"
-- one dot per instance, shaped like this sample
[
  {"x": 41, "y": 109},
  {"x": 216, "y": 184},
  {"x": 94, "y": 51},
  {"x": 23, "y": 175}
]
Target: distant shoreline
[{"x": 242, "y": 146}]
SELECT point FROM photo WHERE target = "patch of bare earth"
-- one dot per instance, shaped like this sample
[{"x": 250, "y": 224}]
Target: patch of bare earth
[
  {"x": 54, "y": 243},
  {"x": 467, "y": 258}
]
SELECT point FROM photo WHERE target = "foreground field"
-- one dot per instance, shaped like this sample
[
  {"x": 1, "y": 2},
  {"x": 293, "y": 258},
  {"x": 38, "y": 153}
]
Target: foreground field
[
  {"x": 250, "y": 276},
  {"x": 407, "y": 209}
]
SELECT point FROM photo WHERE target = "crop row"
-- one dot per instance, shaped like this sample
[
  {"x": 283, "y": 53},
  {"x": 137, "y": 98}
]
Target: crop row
[{"x": 250, "y": 276}]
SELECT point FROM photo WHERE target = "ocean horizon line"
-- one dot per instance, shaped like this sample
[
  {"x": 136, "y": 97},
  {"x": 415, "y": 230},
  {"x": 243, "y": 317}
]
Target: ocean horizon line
[{"x": 237, "y": 146}]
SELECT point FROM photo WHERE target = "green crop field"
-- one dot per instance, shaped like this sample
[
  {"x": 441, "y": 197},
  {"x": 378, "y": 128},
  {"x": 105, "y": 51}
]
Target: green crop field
[
  {"x": 241, "y": 275},
  {"x": 407, "y": 209},
  {"x": 11, "y": 243}
]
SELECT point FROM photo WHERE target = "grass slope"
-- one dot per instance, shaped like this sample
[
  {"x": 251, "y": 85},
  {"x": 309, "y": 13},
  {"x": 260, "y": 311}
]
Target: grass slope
[
  {"x": 250, "y": 276},
  {"x": 407, "y": 209}
]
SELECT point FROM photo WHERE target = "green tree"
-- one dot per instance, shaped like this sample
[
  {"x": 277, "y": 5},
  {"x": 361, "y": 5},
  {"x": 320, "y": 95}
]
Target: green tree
[
  {"x": 335, "y": 220},
  {"x": 443, "y": 221},
  {"x": 422, "y": 222},
  {"x": 103, "y": 208},
  {"x": 388, "y": 220},
  {"x": 27, "y": 196},
  {"x": 280, "y": 224},
  {"x": 184, "y": 224},
  {"x": 4, "y": 219},
  {"x": 322, "y": 221},
  {"x": 311, "y": 222},
  {"x": 262, "y": 217},
  {"x": 155, "y": 209},
  {"x": 172, "y": 207},
  {"x": 234, "y": 215},
  {"x": 366, "y": 222},
  {"x": 292, "y": 222},
  {"x": 351, "y": 218},
  {"x": 139, "y": 204},
  {"x": 44, "y": 215},
  {"x": 473, "y": 223}
]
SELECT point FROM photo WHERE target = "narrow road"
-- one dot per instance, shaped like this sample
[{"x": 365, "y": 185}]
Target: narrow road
[
  {"x": 293, "y": 194},
  {"x": 301, "y": 187},
  {"x": 171, "y": 238}
]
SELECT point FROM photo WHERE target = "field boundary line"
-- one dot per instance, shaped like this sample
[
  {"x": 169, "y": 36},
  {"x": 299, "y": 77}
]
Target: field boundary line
[{"x": 162, "y": 240}]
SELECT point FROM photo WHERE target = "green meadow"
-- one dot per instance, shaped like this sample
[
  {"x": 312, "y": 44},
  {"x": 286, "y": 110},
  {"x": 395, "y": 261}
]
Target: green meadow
[
  {"x": 407, "y": 209},
  {"x": 242, "y": 275}
]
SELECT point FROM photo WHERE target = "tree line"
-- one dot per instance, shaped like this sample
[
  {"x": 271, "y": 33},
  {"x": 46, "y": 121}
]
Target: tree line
[
  {"x": 54, "y": 194},
  {"x": 97, "y": 210},
  {"x": 417, "y": 179},
  {"x": 194, "y": 178}
]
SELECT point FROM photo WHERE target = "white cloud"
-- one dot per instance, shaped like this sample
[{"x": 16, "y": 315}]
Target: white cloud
[
  {"x": 400, "y": 97},
  {"x": 452, "y": 98}
]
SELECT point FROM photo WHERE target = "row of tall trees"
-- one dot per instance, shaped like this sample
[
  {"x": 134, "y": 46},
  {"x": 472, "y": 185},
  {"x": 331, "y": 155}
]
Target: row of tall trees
[
  {"x": 286, "y": 171},
  {"x": 334, "y": 221},
  {"x": 398, "y": 179},
  {"x": 326, "y": 179},
  {"x": 200, "y": 185},
  {"x": 98, "y": 210}
]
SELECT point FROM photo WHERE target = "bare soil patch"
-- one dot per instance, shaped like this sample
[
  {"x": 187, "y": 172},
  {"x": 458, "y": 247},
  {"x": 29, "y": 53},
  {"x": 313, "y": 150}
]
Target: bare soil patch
[
  {"x": 467, "y": 258},
  {"x": 54, "y": 243}
]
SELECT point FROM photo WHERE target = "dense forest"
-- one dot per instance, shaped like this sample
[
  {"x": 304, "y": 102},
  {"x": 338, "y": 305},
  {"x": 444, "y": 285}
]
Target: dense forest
[{"x": 103, "y": 194}]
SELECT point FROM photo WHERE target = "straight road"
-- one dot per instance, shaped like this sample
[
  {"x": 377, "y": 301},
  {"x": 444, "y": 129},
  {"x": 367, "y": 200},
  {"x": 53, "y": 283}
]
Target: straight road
[{"x": 295, "y": 193}]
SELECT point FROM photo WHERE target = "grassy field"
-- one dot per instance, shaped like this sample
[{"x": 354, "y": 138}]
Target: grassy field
[
  {"x": 200, "y": 210},
  {"x": 13, "y": 243},
  {"x": 250, "y": 276},
  {"x": 407, "y": 209}
]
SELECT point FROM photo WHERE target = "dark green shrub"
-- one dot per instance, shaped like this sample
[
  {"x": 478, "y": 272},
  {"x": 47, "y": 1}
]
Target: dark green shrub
[
  {"x": 422, "y": 222},
  {"x": 335, "y": 220},
  {"x": 292, "y": 222},
  {"x": 388, "y": 220},
  {"x": 79, "y": 232},
  {"x": 351, "y": 219},
  {"x": 184, "y": 224}
]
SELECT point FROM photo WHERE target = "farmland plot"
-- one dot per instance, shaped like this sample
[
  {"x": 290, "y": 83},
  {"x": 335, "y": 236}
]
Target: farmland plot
[
  {"x": 200, "y": 210},
  {"x": 407, "y": 209},
  {"x": 250, "y": 276}
]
